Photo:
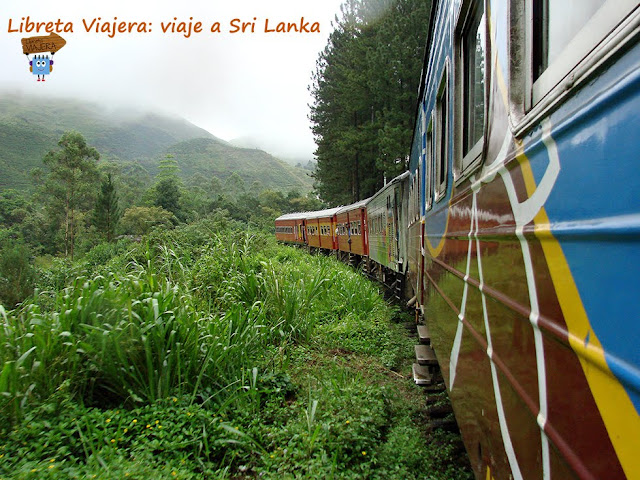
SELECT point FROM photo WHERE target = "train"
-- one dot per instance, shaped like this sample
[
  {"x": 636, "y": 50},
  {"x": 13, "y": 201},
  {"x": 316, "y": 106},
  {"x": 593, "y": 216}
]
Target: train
[{"x": 515, "y": 231}]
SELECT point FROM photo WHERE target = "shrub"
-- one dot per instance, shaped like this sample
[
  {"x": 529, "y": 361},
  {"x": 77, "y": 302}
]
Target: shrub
[{"x": 17, "y": 275}]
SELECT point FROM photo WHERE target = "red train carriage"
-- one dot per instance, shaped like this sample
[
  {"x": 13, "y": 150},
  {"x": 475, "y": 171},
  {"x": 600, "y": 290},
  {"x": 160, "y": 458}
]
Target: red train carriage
[
  {"x": 351, "y": 229},
  {"x": 290, "y": 228},
  {"x": 320, "y": 228}
]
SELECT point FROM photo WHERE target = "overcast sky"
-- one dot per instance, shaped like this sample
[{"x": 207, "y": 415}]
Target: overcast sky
[{"x": 231, "y": 84}]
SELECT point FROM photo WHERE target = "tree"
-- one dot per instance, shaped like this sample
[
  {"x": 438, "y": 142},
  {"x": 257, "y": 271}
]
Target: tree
[
  {"x": 106, "y": 213},
  {"x": 168, "y": 195},
  {"x": 140, "y": 220},
  {"x": 235, "y": 186},
  {"x": 167, "y": 189},
  {"x": 69, "y": 184},
  {"x": 364, "y": 90}
]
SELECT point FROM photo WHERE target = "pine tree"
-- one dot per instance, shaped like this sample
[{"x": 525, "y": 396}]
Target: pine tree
[{"x": 106, "y": 214}]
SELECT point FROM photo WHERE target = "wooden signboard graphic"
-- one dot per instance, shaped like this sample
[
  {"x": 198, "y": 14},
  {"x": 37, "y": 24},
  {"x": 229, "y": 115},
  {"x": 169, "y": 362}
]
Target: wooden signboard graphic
[{"x": 51, "y": 43}]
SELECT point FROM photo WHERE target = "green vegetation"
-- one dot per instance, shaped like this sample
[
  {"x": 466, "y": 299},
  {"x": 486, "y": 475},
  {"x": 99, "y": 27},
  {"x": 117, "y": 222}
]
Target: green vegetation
[
  {"x": 208, "y": 351},
  {"x": 106, "y": 213},
  {"x": 81, "y": 201},
  {"x": 211, "y": 157},
  {"x": 134, "y": 142},
  {"x": 364, "y": 92},
  {"x": 68, "y": 183}
]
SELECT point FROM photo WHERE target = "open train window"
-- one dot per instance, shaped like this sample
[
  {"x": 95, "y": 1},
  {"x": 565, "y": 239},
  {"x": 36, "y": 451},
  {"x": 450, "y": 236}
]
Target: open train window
[
  {"x": 563, "y": 34},
  {"x": 471, "y": 55},
  {"x": 441, "y": 137}
]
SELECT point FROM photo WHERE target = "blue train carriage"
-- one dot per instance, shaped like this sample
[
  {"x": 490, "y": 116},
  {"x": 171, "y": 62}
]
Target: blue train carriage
[
  {"x": 386, "y": 219},
  {"x": 525, "y": 157}
]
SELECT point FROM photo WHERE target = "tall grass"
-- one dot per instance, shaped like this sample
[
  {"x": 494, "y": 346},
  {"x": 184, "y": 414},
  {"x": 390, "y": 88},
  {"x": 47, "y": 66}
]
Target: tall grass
[
  {"x": 188, "y": 317},
  {"x": 184, "y": 356}
]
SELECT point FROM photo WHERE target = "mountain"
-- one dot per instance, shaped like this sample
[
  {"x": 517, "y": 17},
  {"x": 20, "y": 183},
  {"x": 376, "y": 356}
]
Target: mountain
[
  {"x": 212, "y": 157},
  {"x": 270, "y": 146},
  {"x": 30, "y": 126}
]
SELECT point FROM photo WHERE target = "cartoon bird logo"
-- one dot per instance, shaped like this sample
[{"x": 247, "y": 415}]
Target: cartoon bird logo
[{"x": 41, "y": 65}]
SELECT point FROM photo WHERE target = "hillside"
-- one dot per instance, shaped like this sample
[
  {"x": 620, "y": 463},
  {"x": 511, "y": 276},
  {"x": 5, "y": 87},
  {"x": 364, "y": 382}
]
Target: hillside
[
  {"x": 30, "y": 126},
  {"x": 211, "y": 157},
  {"x": 305, "y": 161}
]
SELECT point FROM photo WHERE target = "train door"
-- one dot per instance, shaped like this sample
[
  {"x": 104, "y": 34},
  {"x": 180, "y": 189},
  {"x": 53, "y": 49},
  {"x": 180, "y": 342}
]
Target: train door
[{"x": 365, "y": 231}]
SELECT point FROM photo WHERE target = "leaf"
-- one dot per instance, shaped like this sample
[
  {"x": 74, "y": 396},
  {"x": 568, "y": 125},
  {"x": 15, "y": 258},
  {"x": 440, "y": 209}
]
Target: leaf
[
  {"x": 4, "y": 376},
  {"x": 24, "y": 356}
]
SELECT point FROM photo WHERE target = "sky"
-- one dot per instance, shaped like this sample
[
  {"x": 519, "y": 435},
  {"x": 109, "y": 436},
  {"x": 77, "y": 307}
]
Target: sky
[{"x": 251, "y": 84}]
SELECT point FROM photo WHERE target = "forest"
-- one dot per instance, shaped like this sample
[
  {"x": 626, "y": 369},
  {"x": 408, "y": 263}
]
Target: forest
[{"x": 365, "y": 88}]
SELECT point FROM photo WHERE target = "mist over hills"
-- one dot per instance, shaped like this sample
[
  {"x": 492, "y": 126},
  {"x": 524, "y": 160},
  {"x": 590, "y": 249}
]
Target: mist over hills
[
  {"x": 248, "y": 141},
  {"x": 30, "y": 126}
]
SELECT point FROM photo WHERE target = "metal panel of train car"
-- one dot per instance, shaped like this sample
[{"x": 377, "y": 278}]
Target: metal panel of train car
[
  {"x": 526, "y": 145},
  {"x": 351, "y": 229},
  {"x": 387, "y": 232}
]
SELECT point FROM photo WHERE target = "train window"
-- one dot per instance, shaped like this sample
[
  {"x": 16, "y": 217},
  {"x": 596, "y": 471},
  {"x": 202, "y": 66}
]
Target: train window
[
  {"x": 442, "y": 137},
  {"x": 429, "y": 168},
  {"x": 470, "y": 55},
  {"x": 565, "y": 33}
]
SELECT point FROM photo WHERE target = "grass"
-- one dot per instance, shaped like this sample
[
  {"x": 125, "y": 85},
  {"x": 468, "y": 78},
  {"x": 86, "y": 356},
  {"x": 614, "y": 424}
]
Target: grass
[{"x": 211, "y": 352}]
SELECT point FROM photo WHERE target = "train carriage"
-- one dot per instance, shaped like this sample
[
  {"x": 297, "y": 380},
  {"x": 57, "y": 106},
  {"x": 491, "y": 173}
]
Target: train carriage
[
  {"x": 386, "y": 219},
  {"x": 320, "y": 227},
  {"x": 518, "y": 229},
  {"x": 290, "y": 228},
  {"x": 351, "y": 229},
  {"x": 525, "y": 157}
]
